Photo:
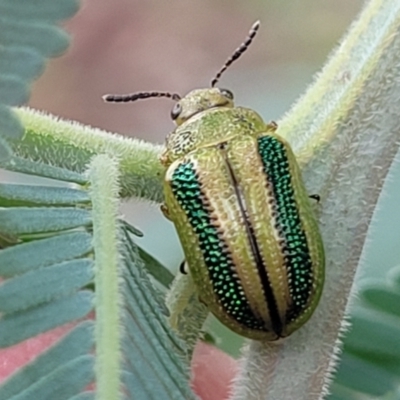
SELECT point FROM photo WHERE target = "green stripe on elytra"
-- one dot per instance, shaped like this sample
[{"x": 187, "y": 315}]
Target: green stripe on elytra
[
  {"x": 295, "y": 248},
  {"x": 187, "y": 191}
]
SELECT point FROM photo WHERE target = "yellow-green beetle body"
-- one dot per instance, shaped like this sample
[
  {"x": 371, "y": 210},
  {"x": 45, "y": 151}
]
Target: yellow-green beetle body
[{"x": 234, "y": 191}]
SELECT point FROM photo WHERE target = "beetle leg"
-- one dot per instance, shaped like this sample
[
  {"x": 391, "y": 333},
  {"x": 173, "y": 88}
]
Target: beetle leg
[
  {"x": 164, "y": 210},
  {"x": 272, "y": 126},
  {"x": 183, "y": 267},
  {"x": 202, "y": 301},
  {"x": 316, "y": 197}
]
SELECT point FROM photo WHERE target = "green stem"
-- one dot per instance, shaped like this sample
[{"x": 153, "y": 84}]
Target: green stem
[
  {"x": 69, "y": 145},
  {"x": 103, "y": 175}
]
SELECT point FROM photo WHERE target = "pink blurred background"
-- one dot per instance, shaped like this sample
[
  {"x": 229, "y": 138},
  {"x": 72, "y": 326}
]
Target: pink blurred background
[{"x": 130, "y": 45}]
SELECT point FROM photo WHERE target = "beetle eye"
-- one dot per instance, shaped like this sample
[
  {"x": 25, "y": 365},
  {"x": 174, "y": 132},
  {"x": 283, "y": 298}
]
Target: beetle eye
[
  {"x": 227, "y": 93},
  {"x": 176, "y": 111}
]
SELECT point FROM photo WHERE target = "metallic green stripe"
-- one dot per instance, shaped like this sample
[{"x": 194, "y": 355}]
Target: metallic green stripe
[
  {"x": 294, "y": 246},
  {"x": 186, "y": 187}
]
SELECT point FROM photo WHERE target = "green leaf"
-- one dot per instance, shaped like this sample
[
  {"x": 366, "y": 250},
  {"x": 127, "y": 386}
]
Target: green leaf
[
  {"x": 13, "y": 90},
  {"x": 84, "y": 396},
  {"x": 42, "y": 286},
  {"x": 41, "y": 253},
  {"x": 75, "y": 344},
  {"x": 22, "y": 325},
  {"x": 21, "y": 220},
  {"x": 10, "y": 126},
  {"x": 20, "y": 61},
  {"x": 5, "y": 149},
  {"x": 366, "y": 377},
  {"x": 44, "y": 293},
  {"x": 155, "y": 268},
  {"x": 45, "y": 276},
  {"x": 383, "y": 298},
  {"x": 371, "y": 359},
  {"x": 130, "y": 228},
  {"x": 41, "y": 10},
  {"x": 374, "y": 332},
  {"x": 27, "y": 195},
  {"x": 63, "y": 382},
  {"x": 30, "y": 167},
  {"x": 149, "y": 332},
  {"x": 28, "y": 35}
]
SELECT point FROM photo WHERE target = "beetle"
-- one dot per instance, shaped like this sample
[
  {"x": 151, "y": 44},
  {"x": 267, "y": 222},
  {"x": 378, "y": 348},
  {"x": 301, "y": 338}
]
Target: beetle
[{"x": 234, "y": 191}]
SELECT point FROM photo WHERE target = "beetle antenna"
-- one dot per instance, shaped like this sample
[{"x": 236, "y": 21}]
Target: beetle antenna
[
  {"x": 124, "y": 98},
  {"x": 238, "y": 52}
]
